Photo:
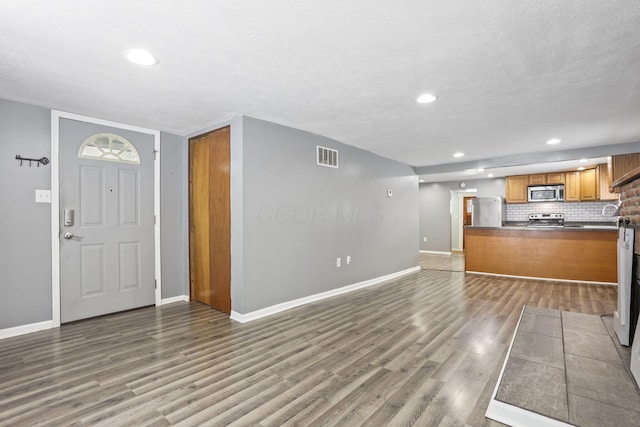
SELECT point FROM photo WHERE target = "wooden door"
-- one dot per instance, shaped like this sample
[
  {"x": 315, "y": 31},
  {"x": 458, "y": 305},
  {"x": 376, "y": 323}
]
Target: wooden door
[
  {"x": 210, "y": 219},
  {"x": 467, "y": 209},
  {"x": 466, "y": 203}
]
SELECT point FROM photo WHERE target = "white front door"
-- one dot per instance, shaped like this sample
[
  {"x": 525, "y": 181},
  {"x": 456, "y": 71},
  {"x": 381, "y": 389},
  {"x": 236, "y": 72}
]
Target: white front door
[{"x": 106, "y": 220}]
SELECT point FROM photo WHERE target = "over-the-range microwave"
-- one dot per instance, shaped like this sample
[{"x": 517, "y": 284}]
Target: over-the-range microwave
[{"x": 546, "y": 193}]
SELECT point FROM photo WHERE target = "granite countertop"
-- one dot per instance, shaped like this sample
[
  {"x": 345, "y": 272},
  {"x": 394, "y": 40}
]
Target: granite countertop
[{"x": 568, "y": 226}]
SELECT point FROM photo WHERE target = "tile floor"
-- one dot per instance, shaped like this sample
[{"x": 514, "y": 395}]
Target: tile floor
[{"x": 566, "y": 366}]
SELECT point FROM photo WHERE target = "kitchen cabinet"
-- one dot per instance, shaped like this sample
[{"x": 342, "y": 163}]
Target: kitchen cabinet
[
  {"x": 572, "y": 186},
  {"x": 589, "y": 185},
  {"x": 555, "y": 178},
  {"x": 605, "y": 183},
  {"x": 516, "y": 188},
  {"x": 546, "y": 178},
  {"x": 538, "y": 179}
]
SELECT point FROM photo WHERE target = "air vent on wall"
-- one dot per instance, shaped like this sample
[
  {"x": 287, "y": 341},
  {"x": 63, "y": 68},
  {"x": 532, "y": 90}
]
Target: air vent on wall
[{"x": 327, "y": 157}]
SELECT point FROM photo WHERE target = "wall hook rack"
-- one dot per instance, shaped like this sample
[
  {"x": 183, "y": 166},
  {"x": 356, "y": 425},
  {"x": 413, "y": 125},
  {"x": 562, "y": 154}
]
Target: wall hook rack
[{"x": 42, "y": 160}]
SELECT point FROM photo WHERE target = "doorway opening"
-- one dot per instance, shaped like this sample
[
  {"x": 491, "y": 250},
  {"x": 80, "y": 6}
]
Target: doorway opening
[{"x": 460, "y": 211}]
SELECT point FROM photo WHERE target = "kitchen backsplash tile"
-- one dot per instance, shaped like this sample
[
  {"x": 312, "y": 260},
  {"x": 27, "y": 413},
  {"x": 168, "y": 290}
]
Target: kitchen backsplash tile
[{"x": 573, "y": 212}]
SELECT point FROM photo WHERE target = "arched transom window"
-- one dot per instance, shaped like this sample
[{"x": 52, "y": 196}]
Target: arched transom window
[{"x": 109, "y": 147}]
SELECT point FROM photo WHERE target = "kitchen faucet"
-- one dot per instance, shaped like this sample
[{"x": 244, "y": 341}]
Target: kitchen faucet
[{"x": 609, "y": 205}]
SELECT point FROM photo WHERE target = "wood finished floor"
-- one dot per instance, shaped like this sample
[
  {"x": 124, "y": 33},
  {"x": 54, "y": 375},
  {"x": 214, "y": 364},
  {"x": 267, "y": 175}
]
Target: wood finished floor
[
  {"x": 453, "y": 262},
  {"x": 425, "y": 350}
]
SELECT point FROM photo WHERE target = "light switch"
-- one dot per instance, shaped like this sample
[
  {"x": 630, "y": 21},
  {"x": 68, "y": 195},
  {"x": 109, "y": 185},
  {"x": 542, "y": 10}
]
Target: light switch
[{"x": 43, "y": 196}]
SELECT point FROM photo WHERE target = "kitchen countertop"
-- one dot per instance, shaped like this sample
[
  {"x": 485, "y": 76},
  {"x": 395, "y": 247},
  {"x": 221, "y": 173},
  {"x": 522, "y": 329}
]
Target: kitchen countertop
[{"x": 569, "y": 226}]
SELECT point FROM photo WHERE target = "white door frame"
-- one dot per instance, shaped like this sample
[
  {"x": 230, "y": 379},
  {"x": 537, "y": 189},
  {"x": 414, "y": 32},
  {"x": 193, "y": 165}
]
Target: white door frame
[{"x": 56, "y": 115}]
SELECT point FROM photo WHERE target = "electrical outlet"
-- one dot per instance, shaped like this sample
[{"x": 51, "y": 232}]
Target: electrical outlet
[
  {"x": 348, "y": 259},
  {"x": 338, "y": 262}
]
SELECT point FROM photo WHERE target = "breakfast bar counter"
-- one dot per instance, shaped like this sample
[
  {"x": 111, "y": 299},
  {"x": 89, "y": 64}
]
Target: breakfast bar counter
[{"x": 581, "y": 253}]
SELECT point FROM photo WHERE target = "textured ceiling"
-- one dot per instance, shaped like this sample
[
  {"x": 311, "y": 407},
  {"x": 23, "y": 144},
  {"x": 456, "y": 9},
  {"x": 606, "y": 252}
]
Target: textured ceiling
[{"x": 509, "y": 74}]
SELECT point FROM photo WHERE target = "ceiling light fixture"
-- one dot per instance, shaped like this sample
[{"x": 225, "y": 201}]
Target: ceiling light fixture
[
  {"x": 140, "y": 57},
  {"x": 553, "y": 141},
  {"x": 422, "y": 180},
  {"x": 481, "y": 170},
  {"x": 426, "y": 98},
  {"x": 490, "y": 175},
  {"x": 458, "y": 154},
  {"x": 582, "y": 161},
  {"x": 581, "y": 168}
]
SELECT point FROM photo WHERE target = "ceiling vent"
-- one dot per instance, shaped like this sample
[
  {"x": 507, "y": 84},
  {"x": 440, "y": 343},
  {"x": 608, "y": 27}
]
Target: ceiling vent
[{"x": 327, "y": 157}]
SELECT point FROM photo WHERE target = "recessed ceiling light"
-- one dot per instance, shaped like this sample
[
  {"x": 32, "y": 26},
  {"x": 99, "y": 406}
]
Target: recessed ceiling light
[
  {"x": 581, "y": 168},
  {"x": 458, "y": 154},
  {"x": 426, "y": 98},
  {"x": 481, "y": 170},
  {"x": 140, "y": 57},
  {"x": 422, "y": 180},
  {"x": 490, "y": 175},
  {"x": 553, "y": 141},
  {"x": 582, "y": 161}
]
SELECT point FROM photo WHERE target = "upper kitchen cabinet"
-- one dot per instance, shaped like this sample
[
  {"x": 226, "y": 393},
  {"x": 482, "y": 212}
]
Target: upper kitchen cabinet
[
  {"x": 538, "y": 179},
  {"x": 555, "y": 178},
  {"x": 516, "y": 188},
  {"x": 589, "y": 185},
  {"x": 546, "y": 178},
  {"x": 572, "y": 186},
  {"x": 605, "y": 183}
]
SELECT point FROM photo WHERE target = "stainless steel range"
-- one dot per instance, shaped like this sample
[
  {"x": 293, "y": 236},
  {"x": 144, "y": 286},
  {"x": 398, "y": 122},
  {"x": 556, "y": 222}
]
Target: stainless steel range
[{"x": 546, "y": 220}]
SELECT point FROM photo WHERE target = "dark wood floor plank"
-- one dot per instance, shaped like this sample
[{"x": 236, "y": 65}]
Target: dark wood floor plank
[{"x": 422, "y": 350}]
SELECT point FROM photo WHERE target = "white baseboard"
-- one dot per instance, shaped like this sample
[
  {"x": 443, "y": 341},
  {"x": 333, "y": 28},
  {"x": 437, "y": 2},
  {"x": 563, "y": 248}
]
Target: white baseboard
[
  {"x": 435, "y": 252},
  {"x": 253, "y": 315},
  {"x": 170, "y": 300},
  {"x": 48, "y": 324},
  {"x": 543, "y": 278},
  {"x": 25, "y": 329}
]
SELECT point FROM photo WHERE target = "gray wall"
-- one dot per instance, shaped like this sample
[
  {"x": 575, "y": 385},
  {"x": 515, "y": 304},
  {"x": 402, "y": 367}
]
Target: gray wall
[
  {"x": 174, "y": 215},
  {"x": 25, "y": 226},
  {"x": 299, "y": 217},
  {"x": 435, "y": 215}
]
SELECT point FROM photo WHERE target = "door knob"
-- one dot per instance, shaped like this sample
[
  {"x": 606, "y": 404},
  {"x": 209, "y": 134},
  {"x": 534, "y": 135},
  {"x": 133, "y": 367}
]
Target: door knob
[{"x": 68, "y": 235}]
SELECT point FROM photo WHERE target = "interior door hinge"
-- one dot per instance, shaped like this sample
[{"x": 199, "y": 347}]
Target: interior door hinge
[
  {"x": 154, "y": 220},
  {"x": 155, "y": 284},
  {"x": 155, "y": 154}
]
